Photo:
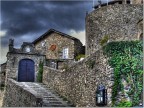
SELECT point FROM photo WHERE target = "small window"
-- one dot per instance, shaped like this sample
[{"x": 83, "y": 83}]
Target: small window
[
  {"x": 43, "y": 43},
  {"x": 65, "y": 53}
]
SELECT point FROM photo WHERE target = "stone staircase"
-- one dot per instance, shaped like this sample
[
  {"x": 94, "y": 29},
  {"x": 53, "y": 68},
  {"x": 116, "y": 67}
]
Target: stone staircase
[{"x": 49, "y": 97}]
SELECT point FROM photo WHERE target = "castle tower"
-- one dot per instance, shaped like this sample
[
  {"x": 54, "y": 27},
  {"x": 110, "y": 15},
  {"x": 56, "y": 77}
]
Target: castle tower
[{"x": 116, "y": 21}]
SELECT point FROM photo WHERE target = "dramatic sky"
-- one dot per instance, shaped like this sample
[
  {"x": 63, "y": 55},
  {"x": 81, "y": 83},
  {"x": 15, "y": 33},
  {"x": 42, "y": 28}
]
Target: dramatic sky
[{"x": 26, "y": 20}]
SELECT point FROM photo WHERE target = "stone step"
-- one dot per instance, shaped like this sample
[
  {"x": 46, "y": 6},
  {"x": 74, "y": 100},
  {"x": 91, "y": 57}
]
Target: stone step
[{"x": 50, "y": 97}]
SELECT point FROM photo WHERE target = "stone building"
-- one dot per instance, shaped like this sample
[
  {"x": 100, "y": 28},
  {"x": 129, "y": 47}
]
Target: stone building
[
  {"x": 55, "y": 49},
  {"x": 58, "y": 47},
  {"x": 23, "y": 64},
  {"x": 116, "y": 21}
]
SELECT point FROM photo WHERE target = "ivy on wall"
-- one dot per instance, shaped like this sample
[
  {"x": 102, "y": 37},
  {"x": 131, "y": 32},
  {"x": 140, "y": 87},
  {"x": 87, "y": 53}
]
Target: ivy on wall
[
  {"x": 40, "y": 72},
  {"x": 126, "y": 59}
]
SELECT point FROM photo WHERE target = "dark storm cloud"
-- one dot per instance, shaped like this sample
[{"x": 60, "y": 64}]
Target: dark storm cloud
[
  {"x": 24, "y": 17},
  {"x": 33, "y": 18}
]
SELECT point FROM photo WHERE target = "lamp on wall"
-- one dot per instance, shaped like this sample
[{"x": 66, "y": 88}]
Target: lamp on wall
[{"x": 101, "y": 95}]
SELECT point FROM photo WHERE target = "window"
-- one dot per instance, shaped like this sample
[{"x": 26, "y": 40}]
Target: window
[
  {"x": 65, "y": 53},
  {"x": 43, "y": 43}
]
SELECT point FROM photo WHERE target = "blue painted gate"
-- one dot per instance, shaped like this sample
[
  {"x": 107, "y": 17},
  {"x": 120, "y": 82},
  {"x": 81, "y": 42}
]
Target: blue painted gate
[{"x": 26, "y": 71}]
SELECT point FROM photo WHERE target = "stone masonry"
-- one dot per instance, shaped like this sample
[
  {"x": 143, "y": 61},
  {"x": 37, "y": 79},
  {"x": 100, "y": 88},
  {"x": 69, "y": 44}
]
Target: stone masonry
[
  {"x": 60, "y": 41},
  {"x": 31, "y": 94},
  {"x": 78, "y": 83},
  {"x": 117, "y": 21},
  {"x": 15, "y": 55}
]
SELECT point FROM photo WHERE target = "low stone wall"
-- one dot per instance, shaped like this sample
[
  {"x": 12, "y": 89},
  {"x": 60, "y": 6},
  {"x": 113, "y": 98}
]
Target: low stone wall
[
  {"x": 16, "y": 95},
  {"x": 79, "y": 82}
]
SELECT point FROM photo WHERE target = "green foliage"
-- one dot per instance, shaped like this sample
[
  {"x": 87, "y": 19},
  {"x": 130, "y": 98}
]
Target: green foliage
[
  {"x": 40, "y": 72},
  {"x": 126, "y": 59},
  {"x": 80, "y": 56},
  {"x": 104, "y": 40},
  {"x": 90, "y": 64},
  {"x": 125, "y": 103}
]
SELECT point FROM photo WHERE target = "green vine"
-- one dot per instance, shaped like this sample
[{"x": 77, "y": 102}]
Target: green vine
[
  {"x": 40, "y": 72},
  {"x": 126, "y": 59},
  {"x": 104, "y": 40}
]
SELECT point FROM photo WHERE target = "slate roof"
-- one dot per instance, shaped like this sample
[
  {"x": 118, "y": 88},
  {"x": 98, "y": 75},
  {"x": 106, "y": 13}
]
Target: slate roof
[{"x": 53, "y": 31}]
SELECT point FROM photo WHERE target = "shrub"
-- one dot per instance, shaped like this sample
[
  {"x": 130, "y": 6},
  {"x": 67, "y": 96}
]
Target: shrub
[
  {"x": 125, "y": 103},
  {"x": 80, "y": 56},
  {"x": 40, "y": 72},
  {"x": 104, "y": 40}
]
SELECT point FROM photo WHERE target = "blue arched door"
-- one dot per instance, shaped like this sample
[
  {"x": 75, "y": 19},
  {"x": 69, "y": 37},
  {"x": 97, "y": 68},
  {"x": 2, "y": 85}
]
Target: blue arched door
[{"x": 26, "y": 71}]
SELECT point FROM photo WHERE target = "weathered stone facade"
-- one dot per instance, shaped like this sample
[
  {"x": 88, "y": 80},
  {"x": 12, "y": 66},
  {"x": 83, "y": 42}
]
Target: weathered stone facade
[
  {"x": 53, "y": 43},
  {"x": 2, "y": 74},
  {"x": 15, "y": 55},
  {"x": 59, "y": 41},
  {"x": 117, "y": 21},
  {"x": 17, "y": 95},
  {"x": 78, "y": 83},
  {"x": 31, "y": 94}
]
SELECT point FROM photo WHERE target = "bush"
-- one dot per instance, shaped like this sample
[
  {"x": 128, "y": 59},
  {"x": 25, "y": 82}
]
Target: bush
[
  {"x": 80, "y": 56},
  {"x": 125, "y": 103}
]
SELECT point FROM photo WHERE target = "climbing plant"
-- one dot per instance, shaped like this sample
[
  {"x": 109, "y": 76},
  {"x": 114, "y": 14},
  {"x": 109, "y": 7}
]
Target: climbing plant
[
  {"x": 126, "y": 59},
  {"x": 104, "y": 40},
  {"x": 40, "y": 72}
]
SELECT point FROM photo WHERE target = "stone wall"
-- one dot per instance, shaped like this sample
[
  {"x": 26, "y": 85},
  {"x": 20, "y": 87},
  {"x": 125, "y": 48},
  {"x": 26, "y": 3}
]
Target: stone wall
[
  {"x": 117, "y": 21},
  {"x": 16, "y": 95},
  {"x": 2, "y": 73},
  {"x": 13, "y": 63},
  {"x": 78, "y": 83},
  {"x": 60, "y": 42}
]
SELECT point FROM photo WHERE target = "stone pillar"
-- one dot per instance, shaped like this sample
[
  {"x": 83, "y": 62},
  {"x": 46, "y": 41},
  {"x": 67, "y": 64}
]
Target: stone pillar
[{"x": 11, "y": 45}]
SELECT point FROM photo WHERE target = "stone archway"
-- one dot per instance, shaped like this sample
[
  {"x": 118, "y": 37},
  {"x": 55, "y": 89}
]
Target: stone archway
[{"x": 26, "y": 71}]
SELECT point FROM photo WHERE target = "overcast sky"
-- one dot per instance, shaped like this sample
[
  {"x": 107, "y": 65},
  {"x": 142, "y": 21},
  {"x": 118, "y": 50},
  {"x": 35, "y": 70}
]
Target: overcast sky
[{"x": 24, "y": 21}]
